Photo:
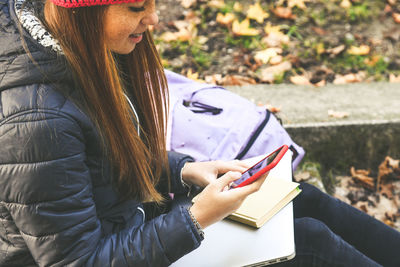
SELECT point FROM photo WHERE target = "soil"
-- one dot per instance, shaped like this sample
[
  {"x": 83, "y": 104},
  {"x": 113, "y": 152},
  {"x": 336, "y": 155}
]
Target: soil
[{"x": 322, "y": 25}]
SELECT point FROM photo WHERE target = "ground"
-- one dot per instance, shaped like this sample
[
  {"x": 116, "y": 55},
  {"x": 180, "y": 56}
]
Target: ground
[{"x": 322, "y": 41}]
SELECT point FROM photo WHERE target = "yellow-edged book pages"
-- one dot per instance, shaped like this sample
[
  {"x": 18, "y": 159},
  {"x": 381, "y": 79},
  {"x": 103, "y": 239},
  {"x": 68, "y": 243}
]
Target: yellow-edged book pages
[{"x": 259, "y": 207}]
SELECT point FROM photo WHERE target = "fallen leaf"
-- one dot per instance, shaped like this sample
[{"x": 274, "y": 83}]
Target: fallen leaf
[
  {"x": 396, "y": 17},
  {"x": 226, "y": 19},
  {"x": 216, "y": 3},
  {"x": 393, "y": 78},
  {"x": 188, "y": 3},
  {"x": 213, "y": 79},
  {"x": 243, "y": 28},
  {"x": 346, "y": 4},
  {"x": 283, "y": 13},
  {"x": 238, "y": 7},
  {"x": 237, "y": 80},
  {"x": 320, "y": 83},
  {"x": 387, "y": 190},
  {"x": 275, "y": 39},
  {"x": 270, "y": 29},
  {"x": 299, "y": 3},
  {"x": 275, "y": 60},
  {"x": 319, "y": 31},
  {"x": 337, "y": 114},
  {"x": 349, "y": 78},
  {"x": 265, "y": 55},
  {"x": 372, "y": 61},
  {"x": 359, "y": 50},
  {"x": 388, "y": 168},
  {"x": 269, "y": 74},
  {"x": 193, "y": 75},
  {"x": 256, "y": 13},
  {"x": 300, "y": 80},
  {"x": 364, "y": 180},
  {"x": 273, "y": 109},
  {"x": 336, "y": 50}
]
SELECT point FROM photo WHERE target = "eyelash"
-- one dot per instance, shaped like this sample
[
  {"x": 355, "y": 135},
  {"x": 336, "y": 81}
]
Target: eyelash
[{"x": 136, "y": 9}]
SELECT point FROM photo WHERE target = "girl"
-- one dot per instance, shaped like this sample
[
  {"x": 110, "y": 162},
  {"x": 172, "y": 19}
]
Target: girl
[
  {"x": 83, "y": 160},
  {"x": 82, "y": 136}
]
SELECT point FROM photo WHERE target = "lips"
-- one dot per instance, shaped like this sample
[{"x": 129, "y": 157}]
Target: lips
[{"x": 136, "y": 37}]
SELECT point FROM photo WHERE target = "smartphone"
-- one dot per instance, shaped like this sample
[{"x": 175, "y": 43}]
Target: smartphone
[{"x": 256, "y": 171}]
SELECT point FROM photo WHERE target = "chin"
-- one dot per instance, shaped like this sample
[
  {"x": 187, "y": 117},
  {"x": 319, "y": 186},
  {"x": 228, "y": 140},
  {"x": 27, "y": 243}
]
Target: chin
[{"x": 124, "y": 50}]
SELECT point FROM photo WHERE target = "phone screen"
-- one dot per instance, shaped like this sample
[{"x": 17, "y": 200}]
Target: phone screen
[{"x": 256, "y": 168}]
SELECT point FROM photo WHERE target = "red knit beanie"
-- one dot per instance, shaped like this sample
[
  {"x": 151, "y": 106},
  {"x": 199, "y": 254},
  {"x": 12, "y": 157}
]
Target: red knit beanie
[{"x": 81, "y": 3}]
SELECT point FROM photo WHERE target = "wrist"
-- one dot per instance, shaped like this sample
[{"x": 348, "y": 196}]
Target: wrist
[
  {"x": 185, "y": 177},
  {"x": 196, "y": 223}
]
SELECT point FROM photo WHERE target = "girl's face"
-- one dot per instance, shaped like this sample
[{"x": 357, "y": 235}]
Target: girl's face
[{"x": 124, "y": 24}]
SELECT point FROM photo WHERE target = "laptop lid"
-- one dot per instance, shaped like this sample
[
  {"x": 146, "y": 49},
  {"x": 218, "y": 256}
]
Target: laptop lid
[{"x": 229, "y": 243}]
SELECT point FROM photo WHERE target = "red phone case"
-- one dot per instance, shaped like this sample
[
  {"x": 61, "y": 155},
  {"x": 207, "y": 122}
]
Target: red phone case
[{"x": 257, "y": 175}]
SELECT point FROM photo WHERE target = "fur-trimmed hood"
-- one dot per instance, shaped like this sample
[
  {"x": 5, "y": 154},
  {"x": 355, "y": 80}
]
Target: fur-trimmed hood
[{"x": 17, "y": 67}]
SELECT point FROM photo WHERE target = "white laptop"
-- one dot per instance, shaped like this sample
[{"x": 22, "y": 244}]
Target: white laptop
[{"x": 229, "y": 243}]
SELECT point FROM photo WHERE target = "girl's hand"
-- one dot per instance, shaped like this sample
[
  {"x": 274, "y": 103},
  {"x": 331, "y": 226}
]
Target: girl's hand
[
  {"x": 215, "y": 202},
  {"x": 203, "y": 173}
]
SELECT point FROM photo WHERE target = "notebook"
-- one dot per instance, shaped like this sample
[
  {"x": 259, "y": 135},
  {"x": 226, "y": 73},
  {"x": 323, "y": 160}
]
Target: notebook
[
  {"x": 259, "y": 207},
  {"x": 230, "y": 243}
]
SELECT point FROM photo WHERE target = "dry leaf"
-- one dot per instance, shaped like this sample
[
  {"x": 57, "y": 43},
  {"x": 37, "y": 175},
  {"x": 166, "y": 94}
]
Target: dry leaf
[
  {"x": 337, "y": 114},
  {"x": 213, "y": 79},
  {"x": 300, "y": 80},
  {"x": 283, "y": 12},
  {"x": 268, "y": 74},
  {"x": 388, "y": 167},
  {"x": 359, "y": 51},
  {"x": 364, "y": 180},
  {"x": 320, "y": 83},
  {"x": 319, "y": 31},
  {"x": 396, "y": 17},
  {"x": 243, "y": 28},
  {"x": 275, "y": 60},
  {"x": 265, "y": 55},
  {"x": 256, "y": 13},
  {"x": 393, "y": 78},
  {"x": 188, "y": 3},
  {"x": 275, "y": 39},
  {"x": 237, "y": 7},
  {"x": 372, "y": 61},
  {"x": 387, "y": 190},
  {"x": 270, "y": 29},
  {"x": 225, "y": 19},
  {"x": 349, "y": 78},
  {"x": 336, "y": 50},
  {"x": 216, "y": 3},
  {"x": 299, "y": 3},
  {"x": 237, "y": 80},
  {"x": 193, "y": 75},
  {"x": 345, "y": 4}
]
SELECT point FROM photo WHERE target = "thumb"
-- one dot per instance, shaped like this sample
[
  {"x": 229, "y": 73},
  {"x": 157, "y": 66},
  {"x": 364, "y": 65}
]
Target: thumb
[{"x": 228, "y": 178}]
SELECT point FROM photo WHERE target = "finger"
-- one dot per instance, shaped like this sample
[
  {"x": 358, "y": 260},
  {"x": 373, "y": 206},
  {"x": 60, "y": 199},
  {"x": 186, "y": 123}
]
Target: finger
[
  {"x": 234, "y": 165},
  {"x": 228, "y": 178},
  {"x": 253, "y": 187}
]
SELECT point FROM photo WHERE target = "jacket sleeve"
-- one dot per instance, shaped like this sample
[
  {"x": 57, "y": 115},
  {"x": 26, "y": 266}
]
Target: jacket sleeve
[
  {"x": 176, "y": 162},
  {"x": 48, "y": 192}
]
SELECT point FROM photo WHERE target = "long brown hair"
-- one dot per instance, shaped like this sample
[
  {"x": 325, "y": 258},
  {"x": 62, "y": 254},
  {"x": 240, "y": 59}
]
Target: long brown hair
[{"x": 138, "y": 160}]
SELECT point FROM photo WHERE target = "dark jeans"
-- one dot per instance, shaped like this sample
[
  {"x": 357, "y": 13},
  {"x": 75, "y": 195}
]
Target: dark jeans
[{"x": 329, "y": 232}]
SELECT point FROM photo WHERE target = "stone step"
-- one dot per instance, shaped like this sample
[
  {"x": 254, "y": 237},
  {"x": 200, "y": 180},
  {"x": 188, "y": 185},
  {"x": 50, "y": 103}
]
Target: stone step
[{"x": 368, "y": 131}]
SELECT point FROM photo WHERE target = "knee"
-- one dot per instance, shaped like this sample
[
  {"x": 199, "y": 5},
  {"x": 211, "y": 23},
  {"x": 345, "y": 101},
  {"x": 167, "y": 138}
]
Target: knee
[{"x": 314, "y": 233}]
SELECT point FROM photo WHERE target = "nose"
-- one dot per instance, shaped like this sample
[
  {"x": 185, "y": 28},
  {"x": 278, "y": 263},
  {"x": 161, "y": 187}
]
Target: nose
[{"x": 150, "y": 19}]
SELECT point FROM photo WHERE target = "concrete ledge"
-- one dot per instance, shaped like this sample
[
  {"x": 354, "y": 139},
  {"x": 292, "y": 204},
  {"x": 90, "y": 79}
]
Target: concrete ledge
[{"x": 362, "y": 139}]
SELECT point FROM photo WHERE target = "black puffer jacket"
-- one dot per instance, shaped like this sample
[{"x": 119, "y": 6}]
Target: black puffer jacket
[{"x": 57, "y": 206}]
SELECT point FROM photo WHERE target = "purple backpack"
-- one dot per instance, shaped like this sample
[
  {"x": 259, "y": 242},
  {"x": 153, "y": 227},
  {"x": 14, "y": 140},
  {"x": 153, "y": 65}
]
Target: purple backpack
[{"x": 209, "y": 122}]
